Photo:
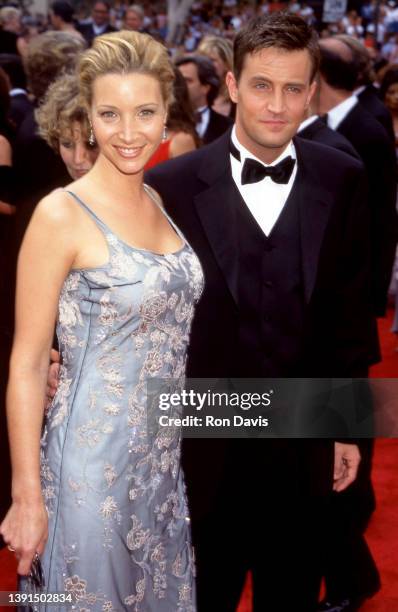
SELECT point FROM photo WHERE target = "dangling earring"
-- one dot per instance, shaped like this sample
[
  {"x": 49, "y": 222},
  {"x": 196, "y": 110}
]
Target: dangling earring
[
  {"x": 164, "y": 137},
  {"x": 91, "y": 138}
]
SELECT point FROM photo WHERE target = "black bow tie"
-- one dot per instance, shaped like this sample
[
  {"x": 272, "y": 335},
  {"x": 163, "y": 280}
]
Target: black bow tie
[{"x": 253, "y": 171}]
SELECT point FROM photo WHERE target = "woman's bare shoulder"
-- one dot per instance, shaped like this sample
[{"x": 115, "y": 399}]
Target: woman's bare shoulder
[{"x": 57, "y": 209}]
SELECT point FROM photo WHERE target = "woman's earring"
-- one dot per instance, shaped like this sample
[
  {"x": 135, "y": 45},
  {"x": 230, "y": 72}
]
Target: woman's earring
[
  {"x": 164, "y": 137},
  {"x": 91, "y": 138}
]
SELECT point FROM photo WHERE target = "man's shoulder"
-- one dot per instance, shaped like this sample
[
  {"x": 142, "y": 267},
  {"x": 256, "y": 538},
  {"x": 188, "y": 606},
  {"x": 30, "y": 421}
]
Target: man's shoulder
[
  {"x": 325, "y": 158},
  {"x": 363, "y": 126},
  {"x": 219, "y": 118}
]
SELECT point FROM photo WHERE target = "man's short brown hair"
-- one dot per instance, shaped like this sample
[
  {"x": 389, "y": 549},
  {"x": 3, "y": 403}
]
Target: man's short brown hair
[{"x": 279, "y": 30}]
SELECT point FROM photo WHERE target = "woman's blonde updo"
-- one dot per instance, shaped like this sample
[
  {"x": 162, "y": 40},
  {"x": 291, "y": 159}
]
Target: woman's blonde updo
[{"x": 125, "y": 52}]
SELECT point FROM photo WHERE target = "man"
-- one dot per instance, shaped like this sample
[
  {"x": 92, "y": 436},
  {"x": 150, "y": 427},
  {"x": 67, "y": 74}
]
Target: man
[
  {"x": 286, "y": 295},
  {"x": 338, "y": 77},
  {"x": 61, "y": 18},
  {"x": 315, "y": 128},
  {"x": 100, "y": 22},
  {"x": 203, "y": 85},
  {"x": 20, "y": 104},
  {"x": 350, "y": 571},
  {"x": 134, "y": 18},
  {"x": 10, "y": 27},
  {"x": 365, "y": 91}
]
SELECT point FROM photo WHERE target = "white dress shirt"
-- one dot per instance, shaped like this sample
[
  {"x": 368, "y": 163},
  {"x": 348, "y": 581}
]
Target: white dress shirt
[
  {"x": 307, "y": 122},
  {"x": 265, "y": 199},
  {"x": 339, "y": 112},
  {"x": 201, "y": 126}
]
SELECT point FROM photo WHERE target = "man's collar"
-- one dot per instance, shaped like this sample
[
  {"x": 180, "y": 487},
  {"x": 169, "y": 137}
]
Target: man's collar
[
  {"x": 337, "y": 114},
  {"x": 359, "y": 90},
  {"x": 306, "y": 123}
]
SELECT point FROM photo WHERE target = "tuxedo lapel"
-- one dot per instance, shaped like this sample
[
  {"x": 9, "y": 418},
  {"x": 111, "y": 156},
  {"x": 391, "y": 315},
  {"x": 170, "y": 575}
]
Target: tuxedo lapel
[
  {"x": 314, "y": 204},
  {"x": 217, "y": 212}
]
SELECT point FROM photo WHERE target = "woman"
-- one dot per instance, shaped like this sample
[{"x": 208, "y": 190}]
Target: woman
[
  {"x": 124, "y": 282},
  {"x": 219, "y": 50},
  {"x": 64, "y": 126},
  {"x": 180, "y": 135}
]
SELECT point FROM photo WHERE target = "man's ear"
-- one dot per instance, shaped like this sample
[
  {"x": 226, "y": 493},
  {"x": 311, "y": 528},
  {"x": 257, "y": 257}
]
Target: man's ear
[
  {"x": 311, "y": 92},
  {"x": 232, "y": 86}
]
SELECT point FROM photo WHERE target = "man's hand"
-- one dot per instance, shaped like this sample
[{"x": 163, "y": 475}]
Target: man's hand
[
  {"x": 346, "y": 462},
  {"x": 52, "y": 377}
]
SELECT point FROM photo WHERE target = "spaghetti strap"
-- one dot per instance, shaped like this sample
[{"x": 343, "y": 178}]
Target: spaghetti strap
[
  {"x": 88, "y": 210},
  {"x": 158, "y": 201}
]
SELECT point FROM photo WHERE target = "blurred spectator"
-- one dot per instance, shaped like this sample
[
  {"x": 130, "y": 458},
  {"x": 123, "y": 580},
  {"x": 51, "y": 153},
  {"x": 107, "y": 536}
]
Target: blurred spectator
[
  {"x": 306, "y": 12},
  {"x": 61, "y": 18},
  {"x": 100, "y": 23},
  {"x": 7, "y": 256},
  {"x": 352, "y": 24},
  {"x": 64, "y": 125},
  {"x": 203, "y": 87},
  {"x": 20, "y": 104},
  {"x": 338, "y": 78},
  {"x": 389, "y": 95},
  {"x": 10, "y": 28},
  {"x": 220, "y": 52},
  {"x": 6, "y": 139},
  {"x": 180, "y": 136},
  {"x": 39, "y": 170},
  {"x": 134, "y": 18},
  {"x": 365, "y": 91}
]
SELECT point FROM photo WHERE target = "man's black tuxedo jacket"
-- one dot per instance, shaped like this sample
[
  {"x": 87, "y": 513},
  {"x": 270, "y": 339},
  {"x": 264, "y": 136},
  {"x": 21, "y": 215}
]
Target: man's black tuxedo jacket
[
  {"x": 87, "y": 31},
  {"x": 318, "y": 131},
  {"x": 369, "y": 99},
  {"x": 218, "y": 125},
  {"x": 377, "y": 152},
  {"x": 198, "y": 191},
  {"x": 330, "y": 192}
]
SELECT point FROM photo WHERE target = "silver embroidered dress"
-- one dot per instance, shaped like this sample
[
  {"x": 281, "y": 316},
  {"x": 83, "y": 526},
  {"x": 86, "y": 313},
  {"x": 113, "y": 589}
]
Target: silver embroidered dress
[{"x": 119, "y": 535}]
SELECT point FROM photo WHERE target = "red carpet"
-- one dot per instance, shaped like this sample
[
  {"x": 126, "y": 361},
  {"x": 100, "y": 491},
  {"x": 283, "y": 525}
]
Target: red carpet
[{"x": 382, "y": 535}]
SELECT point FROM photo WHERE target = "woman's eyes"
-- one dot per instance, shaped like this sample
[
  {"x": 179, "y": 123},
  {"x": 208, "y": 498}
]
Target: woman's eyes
[
  {"x": 108, "y": 114},
  {"x": 67, "y": 144},
  {"x": 146, "y": 112}
]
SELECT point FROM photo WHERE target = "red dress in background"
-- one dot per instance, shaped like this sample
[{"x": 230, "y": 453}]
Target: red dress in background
[{"x": 161, "y": 154}]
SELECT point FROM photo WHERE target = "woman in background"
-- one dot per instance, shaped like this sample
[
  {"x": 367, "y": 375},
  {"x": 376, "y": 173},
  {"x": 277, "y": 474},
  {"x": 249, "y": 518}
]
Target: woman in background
[
  {"x": 64, "y": 125},
  {"x": 220, "y": 51},
  {"x": 180, "y": 135}
]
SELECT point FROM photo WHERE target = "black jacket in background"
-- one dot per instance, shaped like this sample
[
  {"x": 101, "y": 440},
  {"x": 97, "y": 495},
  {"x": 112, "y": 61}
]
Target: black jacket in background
[{"x": 377, "y": 152}]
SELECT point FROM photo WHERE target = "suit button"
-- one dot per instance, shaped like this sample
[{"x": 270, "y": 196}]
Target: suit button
[
  {"x": 268, "y": 283},
  {"x": 269, "y": 247},
  {"x": 267, "y": 318}
]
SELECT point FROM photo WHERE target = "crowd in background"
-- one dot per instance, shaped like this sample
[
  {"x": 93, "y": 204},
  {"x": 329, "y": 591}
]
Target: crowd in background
[
  {"x": 35, "y": 49},
  {"x": 45, "y": 138}
]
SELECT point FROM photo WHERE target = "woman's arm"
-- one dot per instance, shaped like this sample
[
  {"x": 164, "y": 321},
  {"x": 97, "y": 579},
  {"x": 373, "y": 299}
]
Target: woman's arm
[{"x": 46, "y": 256}]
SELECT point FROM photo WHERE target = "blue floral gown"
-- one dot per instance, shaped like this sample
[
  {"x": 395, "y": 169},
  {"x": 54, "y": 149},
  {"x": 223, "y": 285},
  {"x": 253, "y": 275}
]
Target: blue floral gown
[{"x": 119, "y": 534}]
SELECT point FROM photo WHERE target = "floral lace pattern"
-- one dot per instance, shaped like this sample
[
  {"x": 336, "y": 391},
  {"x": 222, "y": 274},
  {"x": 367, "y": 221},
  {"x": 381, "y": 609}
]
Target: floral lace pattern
[{"x": 119, "y": 534}]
